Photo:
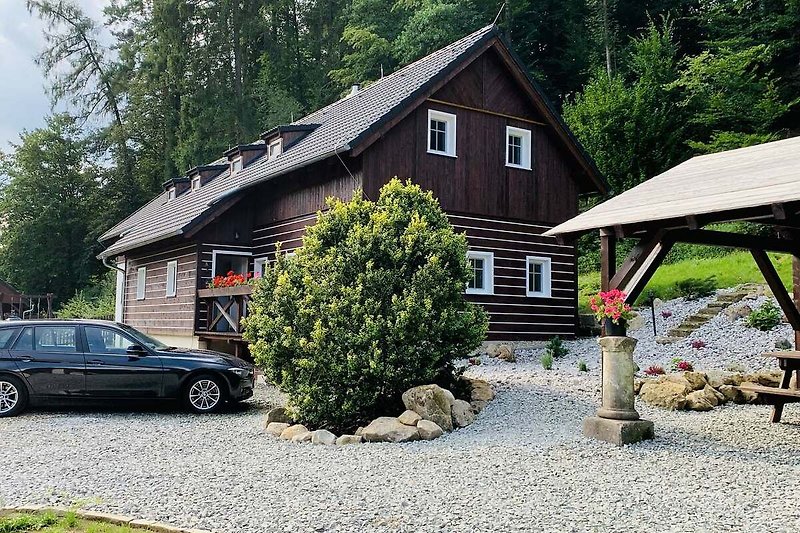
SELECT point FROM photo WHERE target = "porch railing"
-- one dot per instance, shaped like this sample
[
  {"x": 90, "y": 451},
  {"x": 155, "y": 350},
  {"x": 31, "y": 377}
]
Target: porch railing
[{"x": 225, "y": 309}]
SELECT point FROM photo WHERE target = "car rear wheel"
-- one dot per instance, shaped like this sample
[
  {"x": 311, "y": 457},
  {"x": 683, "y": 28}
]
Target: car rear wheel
[
  {"x": 204, "y": 394},
  {"x": 13, "y": 396}
]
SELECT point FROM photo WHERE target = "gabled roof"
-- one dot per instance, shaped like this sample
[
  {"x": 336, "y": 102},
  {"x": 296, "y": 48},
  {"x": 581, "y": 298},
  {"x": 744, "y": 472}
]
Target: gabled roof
[
  {"x": 337, "y": 128},
  {"x": 724, "y": 182}
]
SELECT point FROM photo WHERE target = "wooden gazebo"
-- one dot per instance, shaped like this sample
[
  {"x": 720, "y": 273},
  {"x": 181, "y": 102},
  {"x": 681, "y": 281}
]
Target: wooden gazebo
[{"x": 759, "y": 184}]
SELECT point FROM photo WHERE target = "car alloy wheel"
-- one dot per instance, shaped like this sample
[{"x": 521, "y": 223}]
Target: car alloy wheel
[
  {"x": 204, "y": 395},
  {"x": 9, "y": 397}
]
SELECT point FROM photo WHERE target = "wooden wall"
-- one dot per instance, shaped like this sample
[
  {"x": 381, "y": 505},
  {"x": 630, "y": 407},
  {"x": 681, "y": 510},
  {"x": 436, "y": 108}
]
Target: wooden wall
[{"x": 157, "y": 313}]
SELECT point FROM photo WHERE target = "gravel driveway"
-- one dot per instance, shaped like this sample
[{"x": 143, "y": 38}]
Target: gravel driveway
[{"x": 523, "y": 466}]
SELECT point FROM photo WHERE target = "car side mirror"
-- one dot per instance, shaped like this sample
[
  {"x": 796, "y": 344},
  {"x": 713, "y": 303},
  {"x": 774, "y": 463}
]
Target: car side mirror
[{"x": 136, "y": 350}]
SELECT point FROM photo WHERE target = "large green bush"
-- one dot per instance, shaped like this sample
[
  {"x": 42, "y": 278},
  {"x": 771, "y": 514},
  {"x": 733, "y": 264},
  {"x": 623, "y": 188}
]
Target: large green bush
[
  {"x": 95, "y": 301},
  {"x": 371, "y": 305}
]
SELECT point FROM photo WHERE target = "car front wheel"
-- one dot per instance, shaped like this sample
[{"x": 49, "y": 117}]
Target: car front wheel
[
  {"x": 13, "y": 396},
  {"x": 204, "y": 394}
]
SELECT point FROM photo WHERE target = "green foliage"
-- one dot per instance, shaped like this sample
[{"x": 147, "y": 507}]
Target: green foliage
[
  {"x": 547, "y": 360},
  {"x": 52, "y": 206},
  {"x": 371, "y": 305},
  {"x": 694, "y": 288},
  {"x": 26, "y": 522},
  {"x": 582, "y": 367},
  {"x": 765, "y": 317},
  {"x": 556, "y": 347},
  {"x": 96, "y": 301}
]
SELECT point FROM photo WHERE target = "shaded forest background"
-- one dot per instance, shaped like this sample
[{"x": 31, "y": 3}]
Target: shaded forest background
[{"x": 644, "y": 84}]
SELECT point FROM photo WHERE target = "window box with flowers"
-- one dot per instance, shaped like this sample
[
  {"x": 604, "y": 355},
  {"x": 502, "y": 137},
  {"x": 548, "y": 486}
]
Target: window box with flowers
[
  {"x": 231, "y": 284},
  {"x": 612, "y": 312}
]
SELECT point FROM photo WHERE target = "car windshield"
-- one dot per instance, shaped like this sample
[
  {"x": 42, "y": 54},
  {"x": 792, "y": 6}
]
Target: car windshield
[{"x": 148, "y": 341}]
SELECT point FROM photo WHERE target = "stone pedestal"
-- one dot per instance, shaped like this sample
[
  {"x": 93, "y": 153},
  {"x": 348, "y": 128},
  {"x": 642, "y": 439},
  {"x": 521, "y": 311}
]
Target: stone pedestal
[{"x": 617, "y": 420}]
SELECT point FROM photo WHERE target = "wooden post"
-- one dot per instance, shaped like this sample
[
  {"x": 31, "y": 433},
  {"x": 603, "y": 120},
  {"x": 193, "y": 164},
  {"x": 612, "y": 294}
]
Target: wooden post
[
  {"x": 786, "y": 302},
  {"x": 608, "y": 258},
  {"x": 796, "y": 294}
]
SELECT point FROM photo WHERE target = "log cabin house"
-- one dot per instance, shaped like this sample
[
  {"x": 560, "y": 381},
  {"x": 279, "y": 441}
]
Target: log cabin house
[{"x": 467, "y": 122}]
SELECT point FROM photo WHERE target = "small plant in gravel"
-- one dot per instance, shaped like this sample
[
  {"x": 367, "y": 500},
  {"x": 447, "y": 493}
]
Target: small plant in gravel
[
  {"x": 681, "y": 365},
  {"x": 547, "y": 361},
  {"x": 655, "y": 370},
  {"x": 765, "y": 317},
  {"x": 556, "y": 348},
  {"x": 698, "y": 344},
  {"x": 666, "y": 313},
  {"x": 582, "y": 367}
]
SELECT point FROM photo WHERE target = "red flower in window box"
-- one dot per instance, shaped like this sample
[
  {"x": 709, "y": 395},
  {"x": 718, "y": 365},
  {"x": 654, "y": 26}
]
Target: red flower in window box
[{"x": 231, "y": 279}]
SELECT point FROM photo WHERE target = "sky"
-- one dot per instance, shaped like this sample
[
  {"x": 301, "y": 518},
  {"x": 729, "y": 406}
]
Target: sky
[{"x": 23, "y": 100}]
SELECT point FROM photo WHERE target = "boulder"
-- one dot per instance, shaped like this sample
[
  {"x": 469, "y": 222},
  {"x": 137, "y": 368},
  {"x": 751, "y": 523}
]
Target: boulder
[
  {"x": 637, "y": 385},
  {"x": 278, "y": 414},
  {"x": 765, "y": 378},
  {"x": 276, "y": 428},
  {"x": 737, "y": 312},
  {"x": 480, "y": 391},
  {"x": 699, "y": 401},
  {"x": 506, "y": 353},
  {"x": 344, "y": 440},
  {"x": 290, "y": 432},
  {"x": 409, "y": 418},
  {"x": 462, "y": 414},
  {"x": 302, "y": 437},
  {"x": 746, "y": 396},
  {"x": 358, "y": 431},
  {"x": 429, "y": 430},
  {"x": 636, "y": 322},
  {"x": 717, "y": 378},
  {"x": 697, "y": 380},
  {"x": 665, "y": 394},
  {"x": 493, "y": 350},
  {"x": 323, "y": 436},
  {"x": 389, "y": 429},
  {"x": 478, "y": 405},
  {"x": 731, "y": 393},
  {"x": 431, "y": 402}
]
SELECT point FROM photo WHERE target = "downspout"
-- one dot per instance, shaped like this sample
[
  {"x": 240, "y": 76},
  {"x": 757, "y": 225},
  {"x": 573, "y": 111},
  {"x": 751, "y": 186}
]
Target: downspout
[
  {"x": 119, "y": 299},
  {"x": 113, "y": 267}
]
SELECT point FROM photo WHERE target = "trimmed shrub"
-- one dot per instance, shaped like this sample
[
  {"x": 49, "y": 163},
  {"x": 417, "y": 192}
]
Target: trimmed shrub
[
  {"x": 765, "y": 317},
  {"x": 370, "y": 306}
]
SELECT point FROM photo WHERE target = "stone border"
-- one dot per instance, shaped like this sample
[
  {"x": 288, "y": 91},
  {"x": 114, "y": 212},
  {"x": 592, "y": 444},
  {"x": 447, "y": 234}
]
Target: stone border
[{"x": 97, "y": 516}]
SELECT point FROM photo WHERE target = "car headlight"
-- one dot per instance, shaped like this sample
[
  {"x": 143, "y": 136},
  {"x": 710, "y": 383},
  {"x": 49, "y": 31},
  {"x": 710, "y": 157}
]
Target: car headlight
[{"x": 241, "y": 372}]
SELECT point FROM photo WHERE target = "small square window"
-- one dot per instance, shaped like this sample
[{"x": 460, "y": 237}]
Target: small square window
[
  {"x": 172, "y": 278},
  {"x": 518, "y": 148},
  {"x": 171, "y": 193},
  {"x": 195, "y": 183},
  {"x": 441, "y": 133},
  {"x": 275, "y": 149},
  {"x": 538, "y": 276},
  {"x": 260, "y": 267},
  {"x": 481, "y": 265},
  {"x": 236, "y": 165}
]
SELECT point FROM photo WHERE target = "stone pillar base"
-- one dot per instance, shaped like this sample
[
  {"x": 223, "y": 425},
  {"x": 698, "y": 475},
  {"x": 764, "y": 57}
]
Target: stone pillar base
[{"x": 619, "y": 432}]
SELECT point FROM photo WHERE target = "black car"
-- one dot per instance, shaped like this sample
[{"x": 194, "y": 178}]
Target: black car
[{"x": 59, "y": 361}]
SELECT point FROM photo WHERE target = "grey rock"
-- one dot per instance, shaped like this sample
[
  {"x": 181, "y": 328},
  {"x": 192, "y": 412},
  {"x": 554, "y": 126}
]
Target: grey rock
[
  {"x": 323, "y": 436},
  {"x": 429, "y": 430},
  {"x": 344, "y": 440},
  {"x": 409, "y": 418},
  {"x": 276, "y": 428},
  {"x": 462, "y": 414},
  {"x": 290, "y": 432},
  {"x": 302, "y": 437},
  {"x": 431, "y": 402},
  {"x": 389, "y": 429}
]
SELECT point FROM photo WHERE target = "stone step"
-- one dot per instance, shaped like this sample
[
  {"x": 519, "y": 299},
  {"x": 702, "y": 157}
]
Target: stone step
[
  {"x": 668, "y": 340},
  {"x": 731, "y": 297},
  {"x": 696, "y": 320},
  {"x": 717, "y": 305},
  {"x": 681, "y": 331}
]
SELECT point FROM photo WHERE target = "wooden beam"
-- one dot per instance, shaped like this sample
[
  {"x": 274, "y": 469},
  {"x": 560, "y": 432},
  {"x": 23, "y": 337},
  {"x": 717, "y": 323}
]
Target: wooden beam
[
  {"x": 735, "y": 240},
  {"x": 486, "y": 112},
  {"x": 796, "y": 291},
  {"x": 646, "y": 269},
  {"x": 778, "y": 211},
  {"x": 608, "y": 258},
  {"x": 639, "y": 253},
  {"x": 776, "y": 285},
  {"x": 692, "y": 223}
]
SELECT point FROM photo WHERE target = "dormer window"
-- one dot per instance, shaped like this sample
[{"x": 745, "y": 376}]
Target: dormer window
[
  {"x": 275, "y": 148},
  {"x": 236, "y": 165},
  {"x": 171, "y": 192},
  {"x": 196, "y": 183},
  {"x": 518, "y": 148},
  {"x": 441, "y": 133}
]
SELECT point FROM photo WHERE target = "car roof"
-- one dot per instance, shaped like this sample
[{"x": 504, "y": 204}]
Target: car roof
[{"x": 55, "y": 322}]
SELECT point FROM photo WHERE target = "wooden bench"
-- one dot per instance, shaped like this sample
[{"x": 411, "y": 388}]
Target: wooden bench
[{"x": 788, "y": 361}]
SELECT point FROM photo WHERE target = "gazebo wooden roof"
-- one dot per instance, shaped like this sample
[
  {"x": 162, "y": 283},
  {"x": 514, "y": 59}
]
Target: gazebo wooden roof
[{"x": 759, "y": 183}]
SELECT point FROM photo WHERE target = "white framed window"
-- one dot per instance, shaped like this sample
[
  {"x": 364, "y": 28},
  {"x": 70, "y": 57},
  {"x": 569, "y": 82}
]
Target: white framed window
[
  {"x": 196, "y": 183},
  {"x": 141, "y": 282},
  {"x": 538, "y": 278},
  {"x": 481, "y": 266},
  {"x": 171, "y": 192},
  {"x": 224, "y": 261},
  {"x": 236, "y": 165},
  {"x": 441, "y": 133},
  {"x": 172, "y": 278},
  {"x": 260, "y": 266},
  {"x": 518, "y": 148},
  {"x": 275, "y": 148}
]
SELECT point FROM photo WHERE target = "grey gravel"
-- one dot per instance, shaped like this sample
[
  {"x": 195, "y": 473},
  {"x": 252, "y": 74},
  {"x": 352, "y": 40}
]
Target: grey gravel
[{"x": 522, "y": 466}]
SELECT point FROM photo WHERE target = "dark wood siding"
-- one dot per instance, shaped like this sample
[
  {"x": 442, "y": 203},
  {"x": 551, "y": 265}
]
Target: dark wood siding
[{"x": 158, "y": 313}]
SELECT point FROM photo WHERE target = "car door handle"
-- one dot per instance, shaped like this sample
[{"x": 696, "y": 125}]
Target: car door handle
[
  {"x": 26, "y": 359},
  {"x": 95, "y": 362}
]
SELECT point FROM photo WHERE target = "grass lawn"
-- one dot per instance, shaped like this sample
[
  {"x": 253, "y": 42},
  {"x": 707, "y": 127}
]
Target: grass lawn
[
  {"x": 728, "y": 270},
  {"x": 50, "y": 523}
]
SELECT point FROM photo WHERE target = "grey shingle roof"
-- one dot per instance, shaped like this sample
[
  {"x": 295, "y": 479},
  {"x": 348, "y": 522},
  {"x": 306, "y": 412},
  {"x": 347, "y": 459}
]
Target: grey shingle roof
[{"x": 342, "y": 125}]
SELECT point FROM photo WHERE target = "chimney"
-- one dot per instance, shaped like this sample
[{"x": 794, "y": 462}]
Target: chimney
[{"x": 354, "y": 89}]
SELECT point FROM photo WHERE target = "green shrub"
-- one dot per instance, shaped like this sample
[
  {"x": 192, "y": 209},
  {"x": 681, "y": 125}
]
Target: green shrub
[
  {"x": 765, "y": 317},
  {"x": 26, "y": 522},
  {"x": 556, "y": 348},
  {"x": 582, "y": 367},
  {"x": 371, "y": 305},
  {"x": 95, "y": 301},
  {"x": 693, "y": 288},
  {"x": 547, "y": 361}
]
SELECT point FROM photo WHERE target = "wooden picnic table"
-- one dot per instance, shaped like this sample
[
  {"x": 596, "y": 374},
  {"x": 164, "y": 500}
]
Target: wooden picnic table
[{"x": 788, "y": 361}]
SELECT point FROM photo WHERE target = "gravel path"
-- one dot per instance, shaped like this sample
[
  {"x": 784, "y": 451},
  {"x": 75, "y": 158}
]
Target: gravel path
[{"x": 522, "y": 466}]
